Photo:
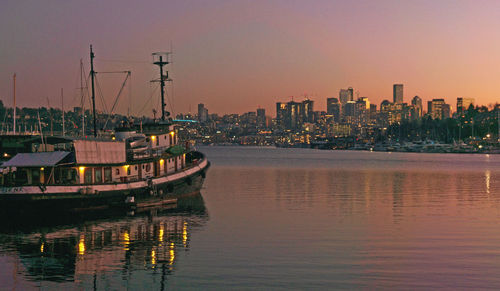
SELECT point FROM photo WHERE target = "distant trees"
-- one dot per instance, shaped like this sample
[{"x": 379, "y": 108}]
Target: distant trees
[{"x": 475, "y": 122}]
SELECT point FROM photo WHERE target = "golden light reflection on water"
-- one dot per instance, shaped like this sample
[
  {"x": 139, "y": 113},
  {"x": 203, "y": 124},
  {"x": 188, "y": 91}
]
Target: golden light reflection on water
[
  {"x": 172, "y": 254},
  {"x": 42, "y": 246},
  {"x": 487, "y": 176},
  {"x": 160, "y": 233},
  {"x": 153, "y": 258},
  {"x": 184, "y": 234}
]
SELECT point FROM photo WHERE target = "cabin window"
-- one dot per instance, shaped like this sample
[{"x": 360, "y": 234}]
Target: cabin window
[
  {"x": 171, "y": 141},
  {"x": 87, "y": 176},
  {"x": 117, "y": 171},
  {"x": 107, "y": 174},
  {"x": 157, "y": 141},
  {"x": 98, "y": 175},
  {"x": 148, "y": 167},
  {"x": 128, "y": 170},
  {"x": 135, "y": 167}
]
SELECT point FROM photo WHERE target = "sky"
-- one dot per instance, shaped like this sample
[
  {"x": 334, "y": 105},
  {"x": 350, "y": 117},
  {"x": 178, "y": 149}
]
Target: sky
[{"x": 236, "y": 56}]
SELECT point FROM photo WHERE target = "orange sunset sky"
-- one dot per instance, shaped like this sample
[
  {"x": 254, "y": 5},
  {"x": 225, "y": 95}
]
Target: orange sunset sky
[{"x": 234, "y": 56}]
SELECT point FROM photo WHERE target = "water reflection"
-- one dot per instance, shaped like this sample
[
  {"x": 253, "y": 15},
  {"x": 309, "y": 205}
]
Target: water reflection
[{"x": 95, "y": 250}]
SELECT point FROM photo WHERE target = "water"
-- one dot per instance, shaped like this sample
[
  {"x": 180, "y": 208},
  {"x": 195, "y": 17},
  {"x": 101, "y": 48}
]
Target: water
[{"x": 286, "y": 219}]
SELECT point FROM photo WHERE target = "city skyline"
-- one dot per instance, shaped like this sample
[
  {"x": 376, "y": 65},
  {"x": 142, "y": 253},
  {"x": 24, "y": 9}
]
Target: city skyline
[{"x": 235, "y": 56}]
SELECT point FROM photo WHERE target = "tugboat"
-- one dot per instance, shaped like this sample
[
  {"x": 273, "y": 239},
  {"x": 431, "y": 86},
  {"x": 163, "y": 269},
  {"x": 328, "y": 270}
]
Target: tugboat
[{"x": 141, "y": 166}]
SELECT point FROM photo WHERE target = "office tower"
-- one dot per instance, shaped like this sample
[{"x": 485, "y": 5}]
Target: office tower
[
  {"x": 417, "y": 107},
  {"x": 435, "y": 108},
  {"x": 397, "y": 92},
  {"x": 346, "y": 95},
  {"x": 463, "y": 104},
  {"x": 261, "y": 117},
  {"x": 333, "y": 108},
  {"x": 202, "y": 113},
  {"x": 280, "y": 114},
  {"x": 307, "y": 111},
  {"x": 293, "y": 115},
  {"x": 362, "y": 110}
]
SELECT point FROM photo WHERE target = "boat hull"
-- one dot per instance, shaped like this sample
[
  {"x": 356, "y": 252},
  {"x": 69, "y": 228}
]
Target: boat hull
[{"x": 145, "y": 193}]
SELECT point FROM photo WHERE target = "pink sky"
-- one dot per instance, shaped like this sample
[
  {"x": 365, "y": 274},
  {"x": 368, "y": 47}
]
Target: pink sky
[{"x": 236, "y": 55}]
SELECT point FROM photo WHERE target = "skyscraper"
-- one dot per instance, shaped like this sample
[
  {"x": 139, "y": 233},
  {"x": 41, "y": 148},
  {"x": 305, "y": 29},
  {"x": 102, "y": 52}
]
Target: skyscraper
[
  {"x": 397, "y": 92},
  {"x": 261, "y": 117},
  {"x": 280, "y": 114},
  {"x": 307, "y": 112},
  {"x": 417, "y": 107},
  {"x": 333, "y": 108},
  {"x": 202, "y": 113},
  {"x": 346, "y": 95}
]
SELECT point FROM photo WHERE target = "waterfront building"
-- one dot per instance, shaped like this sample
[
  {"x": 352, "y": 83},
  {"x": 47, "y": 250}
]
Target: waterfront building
[{"x": 397, "y": 92}]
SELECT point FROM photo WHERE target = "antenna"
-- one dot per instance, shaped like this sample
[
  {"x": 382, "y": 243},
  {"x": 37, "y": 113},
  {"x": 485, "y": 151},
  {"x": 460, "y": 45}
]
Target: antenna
[{"x": 160, "y": 62}]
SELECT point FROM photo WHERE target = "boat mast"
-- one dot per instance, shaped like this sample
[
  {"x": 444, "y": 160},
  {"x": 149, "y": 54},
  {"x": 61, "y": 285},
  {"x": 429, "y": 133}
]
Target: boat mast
[
  {"x": 62, "y": 106},
  {"x": 92, "y": 75},
  {"x": 14, "y": 103},
  {"x": 160, "y": 63},
  {"x": 82, "y": 97}
]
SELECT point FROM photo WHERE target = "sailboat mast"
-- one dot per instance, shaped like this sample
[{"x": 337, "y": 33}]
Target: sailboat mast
[
  {"x": 14, "y": 103},
  {"x": 62, "y": 107},
  {"x": 82, "y": 97},
  {"x": 92, "y": 75}
]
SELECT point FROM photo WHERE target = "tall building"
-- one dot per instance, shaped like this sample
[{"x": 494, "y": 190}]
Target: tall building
[
  {"x": 261, "y": 117},
  {"x": 435, "y": 108},
  {"x": 397, "y": 93},
  {"x": 333, "y": 108},
  {"x": 280, "y": 114},
  {"x": 463, "y": 104},
  {"x": 307, "y": 111},
  {"x": 202, "y": 113},
  {"x": 416, "y": 110},
  {"x": 293, "y": 115},
  {"x": 346, "y": 95}
]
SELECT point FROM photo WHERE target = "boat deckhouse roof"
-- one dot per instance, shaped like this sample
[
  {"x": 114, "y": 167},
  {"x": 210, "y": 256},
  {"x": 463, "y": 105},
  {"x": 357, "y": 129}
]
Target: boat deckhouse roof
[
  {"x": 99, "y": 152},
  {"x": 43, "y": 159}
]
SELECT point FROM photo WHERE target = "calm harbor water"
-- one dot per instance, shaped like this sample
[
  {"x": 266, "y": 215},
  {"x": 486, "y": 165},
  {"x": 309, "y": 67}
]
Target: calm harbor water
[{"x": 275, "y": 218}]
